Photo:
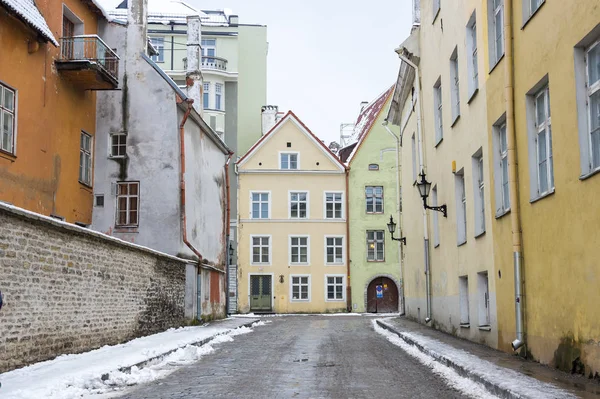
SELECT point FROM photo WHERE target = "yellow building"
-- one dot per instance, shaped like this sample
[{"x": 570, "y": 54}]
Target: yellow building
[{"x": 292, "y": 224}]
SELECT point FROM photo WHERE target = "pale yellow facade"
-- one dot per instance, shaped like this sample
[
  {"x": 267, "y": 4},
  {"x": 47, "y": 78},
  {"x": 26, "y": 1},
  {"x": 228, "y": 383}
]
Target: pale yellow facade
[{"x": 317, "y": 172}]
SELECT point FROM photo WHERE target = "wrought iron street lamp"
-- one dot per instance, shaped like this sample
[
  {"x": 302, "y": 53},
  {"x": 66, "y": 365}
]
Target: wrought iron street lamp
[
  {"x": 424, "y": 187},
  {"x": 392, "y": 228}
]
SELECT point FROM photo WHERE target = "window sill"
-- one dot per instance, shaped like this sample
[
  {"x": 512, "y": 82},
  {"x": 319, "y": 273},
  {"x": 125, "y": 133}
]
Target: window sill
[
  {"x": 437, "y": 13},
  {"x": 299, "y": 264},
  {"x": 8, "y": 156},
  {"x": 335, "y": 264},
  {"x": 335, "y": 300},
  {"x": 455, "y": 120},
  {"x": 132, "y": 230},
  {"x": 460, "y": 244},
  {"x": 536, "y": 199},
  {"x": 436, "y": 245},
  {"x": 116, "y": 156},
  {"x": 502, "y": 213},
  {"x": 299, "y": 300},
  {"x": 496, "y": 64},
  {"x": 85, "y": 186},
  {"x": 375, "y": 261},
  {"x": 485, "y": 328},
  {"x": 435, "y": 146},
  {"x": 260, "y": 264},
  {"x": 532, "y": 14},
  {"x": 374, "y": 213},
  {"x": 465, "y": 325},
  {"x": 480, "y": 234},
  {"x": 473, "y": 95},
  {"x": 589, "y": 174}
]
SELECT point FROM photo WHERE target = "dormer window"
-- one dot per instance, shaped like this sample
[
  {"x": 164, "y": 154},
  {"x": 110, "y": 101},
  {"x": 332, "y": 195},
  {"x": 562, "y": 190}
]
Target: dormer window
[{"x": 288, "y": 160}]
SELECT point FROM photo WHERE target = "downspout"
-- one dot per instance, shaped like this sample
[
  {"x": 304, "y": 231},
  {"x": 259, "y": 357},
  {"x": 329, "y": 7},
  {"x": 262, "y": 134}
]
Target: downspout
[
  {"x": 422, "y": 168},
  {"x": 348, "y": 287},
  {"x": 227, "y": 236},
  {"x": 515, "y": 220}
]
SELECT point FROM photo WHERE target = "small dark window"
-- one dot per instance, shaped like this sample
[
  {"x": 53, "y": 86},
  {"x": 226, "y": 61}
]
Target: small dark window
[
  {"x": 100, "y": 200},
  {"x": 373, "y": 166},
  {"x": 317, "y": 164},
  {"x": 289, "y": 144}
]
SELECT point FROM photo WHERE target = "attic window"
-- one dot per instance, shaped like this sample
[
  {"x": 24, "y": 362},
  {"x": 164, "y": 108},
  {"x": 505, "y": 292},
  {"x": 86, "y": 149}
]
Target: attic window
[
  {"x": 373, "y": 166},
  {"x": 289, "y": 144}
]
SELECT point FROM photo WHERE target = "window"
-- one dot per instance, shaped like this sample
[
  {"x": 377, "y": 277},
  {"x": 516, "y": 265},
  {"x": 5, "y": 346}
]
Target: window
[
  {"x": 478, "y": 190},
  {"x": 437, "y": 111},
  {"x": 7, "y": 119},
  {"x": 373, "y": 166},
  {"x": 261, "y": 250},
  {"x": 436, "y": 221},
  {"x": 334, "y": 250},
  {"x": 496, "y": 30},
  {"x": 300, "y": 288},
  {"x": 374, "y": 197},
  {"x": 218, "y": 96},
  {"x": 118, "y": 145},
  {"x": 461, "y": 208},
  {"x": 333, "y": 205},
  {"x": 298, "y": 205},
  {"x": 530, "y": 7},
  {"x": 288, "y": 160},
  {"x": 483, "y": 300},
  {"x": 260, "y": 205},
  {"x": 159, "y": 44},
  {"x": 299, "y": 252},
  {"x": 85, "y": 159},
  {"x": 472, "y": 66},
  {"x": 501, "y": 187},
  {"x": 414, "y": 157},
  {"x": 128, "y": 204},
  {"x": 209, "y": 49},
  {"x": 436, "y": 8},
  {"x": 335, "y": 287},
  {"x": 593, "y": 95},
  {"x": 206, "y": 95},
  {"x": 455, "y": 88},
  {"x": 542, "y": 178},
  {"x": 463, "y": 294},
  {"x": 99, "y": 200},
  {"x": 375, "y": 245}
]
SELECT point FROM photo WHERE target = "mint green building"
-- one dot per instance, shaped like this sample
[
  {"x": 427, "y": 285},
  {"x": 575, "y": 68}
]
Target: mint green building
[{"x": 375, "y": 268}]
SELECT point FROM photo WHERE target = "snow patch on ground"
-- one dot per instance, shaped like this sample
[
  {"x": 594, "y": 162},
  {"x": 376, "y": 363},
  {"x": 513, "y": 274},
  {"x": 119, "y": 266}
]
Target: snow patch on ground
[{"x": 451, "y": 377}]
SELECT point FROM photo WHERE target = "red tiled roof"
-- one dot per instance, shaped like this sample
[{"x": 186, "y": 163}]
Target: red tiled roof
[{"x": 369, "y": 114}]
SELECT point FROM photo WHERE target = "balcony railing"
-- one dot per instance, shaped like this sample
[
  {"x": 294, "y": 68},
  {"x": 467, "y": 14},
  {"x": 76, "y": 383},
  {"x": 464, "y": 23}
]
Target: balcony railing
[
  {"x": 90, "y": 48},
  {"x": 217, "y": 63}
]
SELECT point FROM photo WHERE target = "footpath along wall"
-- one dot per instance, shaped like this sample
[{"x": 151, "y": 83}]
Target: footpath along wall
[{"x": 67, "y": 289}]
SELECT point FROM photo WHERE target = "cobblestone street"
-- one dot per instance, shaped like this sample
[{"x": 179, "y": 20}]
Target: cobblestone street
[{"x": 303, "y": 357}]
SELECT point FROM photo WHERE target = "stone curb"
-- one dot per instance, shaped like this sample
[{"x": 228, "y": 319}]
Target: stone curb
[{"x": 491, "y": 386}]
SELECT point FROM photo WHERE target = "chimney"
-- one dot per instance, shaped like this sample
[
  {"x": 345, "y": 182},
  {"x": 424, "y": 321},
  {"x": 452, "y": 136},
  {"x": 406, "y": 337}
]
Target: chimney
[
  {"x": 416, "y": 13},
  {"x": 137, "y": 27},
  {"x": 269, "y": 117},
  {"x": 193, "y": 75},
  {"x": 234, "y": 20}
]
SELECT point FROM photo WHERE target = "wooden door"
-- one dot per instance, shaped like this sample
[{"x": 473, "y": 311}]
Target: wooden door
[
  {"x": 382, "y": 296},
  {"x": 68, "y": 31},
  {"x": 260, "y": 293}
]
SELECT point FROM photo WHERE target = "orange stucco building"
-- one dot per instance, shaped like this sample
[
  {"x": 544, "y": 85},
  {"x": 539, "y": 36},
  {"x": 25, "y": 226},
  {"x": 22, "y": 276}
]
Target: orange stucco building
[{"x": 50, "y": 66}]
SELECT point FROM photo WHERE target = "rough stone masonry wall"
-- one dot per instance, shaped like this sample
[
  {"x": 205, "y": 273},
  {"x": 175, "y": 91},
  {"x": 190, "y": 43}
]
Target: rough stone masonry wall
[{"x": 69, "y": 290}]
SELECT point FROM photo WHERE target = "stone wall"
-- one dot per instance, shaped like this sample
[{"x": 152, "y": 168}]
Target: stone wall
[{"x": 67, "y": 289}]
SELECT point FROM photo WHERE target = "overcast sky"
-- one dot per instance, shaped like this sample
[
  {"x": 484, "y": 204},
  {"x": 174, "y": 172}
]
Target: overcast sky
[{"x": 326, "y": 56}]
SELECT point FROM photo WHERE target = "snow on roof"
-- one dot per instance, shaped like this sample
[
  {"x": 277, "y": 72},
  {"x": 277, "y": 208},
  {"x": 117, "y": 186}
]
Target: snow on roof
[
  {"x": 27, "y": 11},
  {"x": 158, "y": 11}
]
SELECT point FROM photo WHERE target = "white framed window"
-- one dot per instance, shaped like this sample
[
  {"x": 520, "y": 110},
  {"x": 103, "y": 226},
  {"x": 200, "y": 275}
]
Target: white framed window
[
  {"x": 299, "y": 250},
  {"x": 85, "y": 159},
  {"x": 455, "y": 86},
  {"x": 478, "y": 191},
  {"x": 436, "y": 220},
  {"x": 118, "y": 145},
  {"x": 472, "y": 65},
  {"x": 374, "y": 199},
  {"x": 260, "y": 250},
  {"x": 209, "y": 49},
  {"x": 159, "y": 44},
  {"x": 436, "y": 8},
  {"x": 501, "y": 187},
  {"x": 334, "y": 250},
  {"x": 260, "y": 204},
  {"x": 437, "y": 111},
  {"x": 335, "y": 287},
  {"x": 128, "y": 203},
  {"x": 530, "y": 7},
  {"x": 483, "y": 300},
  {"x": 461, "y": 207},
  {"x": 219, "y": 96},
  {"x": 8, "y": 111},
  {"x": 300, "y": 287},
  {"x": 496, "y": 30},
  {"x": 593, "y": 100},
  {"x": 414, "y": 157},
  {"x": 206, "y": 95},
  {"x": 375, "y": 245},
  {"x": 541, "y": 142},
  {"x": 289, "y": 160},
  {"x": 298, "y": 205},
  {"x": 334, "y": 205},
  {"x": 463, "y": 296}
]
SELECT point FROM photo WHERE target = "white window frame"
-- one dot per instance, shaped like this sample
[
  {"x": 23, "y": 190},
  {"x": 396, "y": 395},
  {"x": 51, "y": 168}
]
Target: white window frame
[
  {"x": 128, "y": 209},
  {"x": 334, "y": 202},
  {"x": 298, "y": 202},
  {"x": 461, "y": 207},
  {"x": 206, "y": 95},
  {"x": 288, "y": 153},
  {"x": 592, "y": 89},
  {"x": 463, "y": 295},
  {"x": 472, "y": 61},
  {"x": 299, "y": 245},
  {"x": 270, "y": 249},
  {"x": 478, "y": 192},
  {"x": 4, "y": 111},
  {"x": 373, "y": 198},
  {"x": 219, "y": 96},
  {"x": 543, "y": 129},
  {"x": 495, "y": 53},
  {"x": 343, "y": 247},
  {"x": 300, "y": 284},
  {"x": 438, "y": 112},
  {"x": 436, "y": 219},
  {"x": 260, "y": 202},
  {"x": 530, "y": 7},
  {"x": 454, "y": 85},
  {"x": 483, "y": 302},
  {"x": 86, "y": 159},
  {"x": 158, "y": 42},
  {"x": 335, "y": 284},
  {"x": 376, "y": 241},
  {"x": 121, "y": 144},
  {"x": 206, "y": 47},
  {"x": 501, "y": 186}
]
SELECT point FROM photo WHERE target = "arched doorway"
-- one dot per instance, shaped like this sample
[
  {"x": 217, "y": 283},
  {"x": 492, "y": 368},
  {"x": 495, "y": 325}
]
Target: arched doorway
[{"x": 382, "y": 296}]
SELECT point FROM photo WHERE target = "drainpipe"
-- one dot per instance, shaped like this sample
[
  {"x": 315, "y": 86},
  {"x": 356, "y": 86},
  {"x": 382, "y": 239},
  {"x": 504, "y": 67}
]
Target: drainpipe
[
  {"x": 227, "y": 236},
  {"x": 348, "y": 288},
  {"x": 515, "y": 220},
  {"x": 422, "y": 168}
]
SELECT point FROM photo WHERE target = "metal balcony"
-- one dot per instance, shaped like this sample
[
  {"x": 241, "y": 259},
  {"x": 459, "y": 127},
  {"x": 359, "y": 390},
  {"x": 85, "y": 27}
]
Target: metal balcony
[
  {"x": 88, "y": 62},
  {"x": 220, "y": 64}
]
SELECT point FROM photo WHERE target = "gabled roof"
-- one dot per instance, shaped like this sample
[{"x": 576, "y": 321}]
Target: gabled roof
[
  {"x": 27, "y": 11},
  {"x": 303, "y": 128}
]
